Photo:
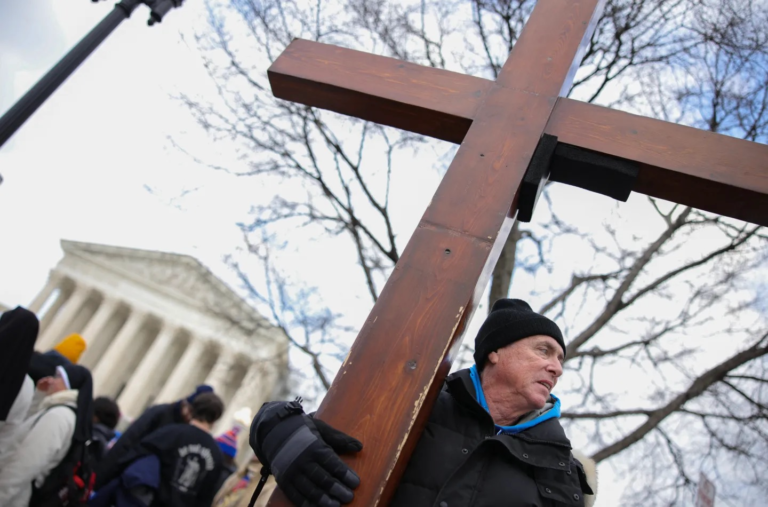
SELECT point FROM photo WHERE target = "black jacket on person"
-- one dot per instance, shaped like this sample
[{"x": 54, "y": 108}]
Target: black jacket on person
[
  {"x": 459, "y": 460},
  {"x": 226, "y": 471},
  {"x": 190, "y": 465},
  {"x": 152, "y": 419},
  {"x": 102, "y": 436}
]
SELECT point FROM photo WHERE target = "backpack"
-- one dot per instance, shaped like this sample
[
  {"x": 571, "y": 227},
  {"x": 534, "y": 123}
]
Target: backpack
[{"x": 70, "y": 483}]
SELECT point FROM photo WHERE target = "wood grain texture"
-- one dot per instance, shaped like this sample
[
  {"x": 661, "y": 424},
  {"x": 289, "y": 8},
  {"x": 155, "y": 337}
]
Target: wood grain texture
[
  {"x": 397, "y": 365},
  {"x": 428, "y": 101},
  {"x": 708, "y": 171},
  {"x": 702, "y": 169}
]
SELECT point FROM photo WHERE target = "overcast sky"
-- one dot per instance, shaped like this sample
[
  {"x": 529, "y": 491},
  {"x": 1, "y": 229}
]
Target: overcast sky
[{"x": 95, "y": 162}]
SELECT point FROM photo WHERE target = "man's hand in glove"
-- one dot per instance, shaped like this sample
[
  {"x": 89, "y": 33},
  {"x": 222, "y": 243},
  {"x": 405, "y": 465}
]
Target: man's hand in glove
[{"x": 302, "y": 453}]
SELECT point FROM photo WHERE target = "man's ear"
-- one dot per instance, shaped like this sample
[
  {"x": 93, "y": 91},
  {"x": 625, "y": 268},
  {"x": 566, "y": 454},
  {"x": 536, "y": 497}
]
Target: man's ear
[{"x": 493, "y": 357}]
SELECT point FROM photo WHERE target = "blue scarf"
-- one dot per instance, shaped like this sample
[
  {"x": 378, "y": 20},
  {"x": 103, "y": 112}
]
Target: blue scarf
[{"x": 554, "y": 412}]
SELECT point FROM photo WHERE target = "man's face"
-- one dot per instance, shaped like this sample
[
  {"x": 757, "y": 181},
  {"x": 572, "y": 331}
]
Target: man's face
[
  {"x": 529, "y": 368},
  {"x": 186, "y": 411}
]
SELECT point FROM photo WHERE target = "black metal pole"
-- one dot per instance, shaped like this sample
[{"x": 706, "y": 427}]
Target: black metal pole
[{"x": 28, "y": 104}]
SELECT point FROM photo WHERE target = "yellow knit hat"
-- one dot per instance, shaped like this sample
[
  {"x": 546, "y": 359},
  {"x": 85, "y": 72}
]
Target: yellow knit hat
[{"x": 71, "y": 347}]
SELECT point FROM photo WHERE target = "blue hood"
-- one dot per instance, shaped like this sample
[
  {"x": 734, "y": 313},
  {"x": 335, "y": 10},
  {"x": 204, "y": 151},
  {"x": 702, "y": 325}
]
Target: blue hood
[{"x": 552, "y": 413}]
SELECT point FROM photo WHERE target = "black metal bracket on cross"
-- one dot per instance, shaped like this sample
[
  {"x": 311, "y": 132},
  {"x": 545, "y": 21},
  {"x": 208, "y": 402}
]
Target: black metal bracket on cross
[{"x": 553, "y": 161}]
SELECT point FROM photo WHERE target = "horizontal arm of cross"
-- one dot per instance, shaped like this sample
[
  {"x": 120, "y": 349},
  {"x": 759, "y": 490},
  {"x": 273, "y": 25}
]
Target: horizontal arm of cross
[{"x": 702, "y": 169}]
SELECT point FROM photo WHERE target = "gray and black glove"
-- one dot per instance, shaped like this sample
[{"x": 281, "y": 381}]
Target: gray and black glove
[{"x": 302, "y": 453}]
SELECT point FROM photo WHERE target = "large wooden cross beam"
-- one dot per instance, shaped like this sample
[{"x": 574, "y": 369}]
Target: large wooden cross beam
[
  {"x": 388, "y": 383},
  {"x": 694, "y": 167}
]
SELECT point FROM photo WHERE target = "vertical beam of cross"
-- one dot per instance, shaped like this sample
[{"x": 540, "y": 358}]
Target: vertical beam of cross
[{"x": 387, "y": 385}]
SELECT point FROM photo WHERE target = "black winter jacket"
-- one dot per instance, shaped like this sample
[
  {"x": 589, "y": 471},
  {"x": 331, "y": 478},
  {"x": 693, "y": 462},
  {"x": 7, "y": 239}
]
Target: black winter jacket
[
  {"x": 102, "y": 436},
  {"x": 152, "y": 419},
  {"x": 190, "y": 465},
  {"x": 459, "y": 461}
]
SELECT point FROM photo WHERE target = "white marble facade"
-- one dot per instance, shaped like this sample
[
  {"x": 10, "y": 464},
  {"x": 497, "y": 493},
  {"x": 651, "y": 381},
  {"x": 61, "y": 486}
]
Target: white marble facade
[{"x": 157, "y": 324}]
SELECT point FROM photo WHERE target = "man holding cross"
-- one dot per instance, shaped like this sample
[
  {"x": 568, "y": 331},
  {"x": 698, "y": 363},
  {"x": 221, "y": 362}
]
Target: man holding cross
[{"x": 493, "y": 437}]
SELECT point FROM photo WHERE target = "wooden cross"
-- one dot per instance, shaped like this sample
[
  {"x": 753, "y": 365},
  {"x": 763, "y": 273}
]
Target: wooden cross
[{"x": 386, "y": 387}]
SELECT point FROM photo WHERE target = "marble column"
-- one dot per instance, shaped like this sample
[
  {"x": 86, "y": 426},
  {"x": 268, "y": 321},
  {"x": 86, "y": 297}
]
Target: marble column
[
  {"x": 58, "y": 326},
  {"x": 93, "y": 331},
  {"x": 54, "y": 279},
  {"x": 107, "y": 376},
  {"x": 146, "y": 377},
  {"x": 189, "y": 362},
  {"x": 254, "y": 390},
  {"x": 63, "y": 293},
  {"x": 219, "y": 376}
]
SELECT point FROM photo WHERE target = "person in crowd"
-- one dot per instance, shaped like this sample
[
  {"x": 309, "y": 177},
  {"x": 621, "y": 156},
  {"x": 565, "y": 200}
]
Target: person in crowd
[
  {"x": 151, "y": 420},
  {"x": 177, "y": 465},
  {"x": 68, "y": 351},
  {"x": 493, "y": 437},
  {"x": 64, "y": 417},
  {"x": 71, "y": 347},
  {"x": 18, "y": 332},
  {"x": 106, "y": 415},
  {"x": 228, "y": 445},
  {"x": 239, "y": 487}
]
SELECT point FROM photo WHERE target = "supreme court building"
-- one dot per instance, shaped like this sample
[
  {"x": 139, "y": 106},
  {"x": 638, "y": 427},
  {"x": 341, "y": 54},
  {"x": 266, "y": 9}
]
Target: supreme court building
[{"x": 156, "y": 325}]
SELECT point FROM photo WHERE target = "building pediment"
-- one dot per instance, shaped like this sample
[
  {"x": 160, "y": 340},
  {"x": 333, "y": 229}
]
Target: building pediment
[
  {"x": 180, "y": 276},
  {"x": 156, "y": 325}
]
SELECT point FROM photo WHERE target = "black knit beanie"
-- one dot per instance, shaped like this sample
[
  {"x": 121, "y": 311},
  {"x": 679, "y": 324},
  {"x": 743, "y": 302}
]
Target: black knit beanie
[
  {"x": 18, "y": 332},
  {"x": 508, "y": 321}
]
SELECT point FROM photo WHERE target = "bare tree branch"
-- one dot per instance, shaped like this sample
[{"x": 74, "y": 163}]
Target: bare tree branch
[{"x": 701, "y": 384}]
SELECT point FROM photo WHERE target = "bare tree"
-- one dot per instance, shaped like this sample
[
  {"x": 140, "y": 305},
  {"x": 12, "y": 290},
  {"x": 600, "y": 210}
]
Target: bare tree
[
  {"x": 714, "y": 417},
  {"x": 655, "y": 295},
  {"x": 297, "y": 310}
]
